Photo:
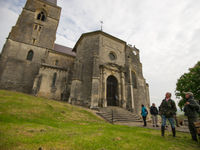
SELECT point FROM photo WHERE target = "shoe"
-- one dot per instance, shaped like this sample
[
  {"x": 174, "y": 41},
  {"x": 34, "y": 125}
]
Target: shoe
[
  {"x": 194, "y": 138},
  {"x": 174, "y": 132}
]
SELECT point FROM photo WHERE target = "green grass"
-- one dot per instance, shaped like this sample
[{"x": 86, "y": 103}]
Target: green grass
[{"x": 28, "y": 122}]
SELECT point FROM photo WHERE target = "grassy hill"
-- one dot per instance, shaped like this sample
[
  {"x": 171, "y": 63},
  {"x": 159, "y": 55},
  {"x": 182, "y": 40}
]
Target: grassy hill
[{"x": 28, "y": 122}]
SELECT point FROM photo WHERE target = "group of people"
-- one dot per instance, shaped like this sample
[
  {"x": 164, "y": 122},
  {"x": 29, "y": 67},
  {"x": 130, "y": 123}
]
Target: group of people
[{"x": 167, "y": 111}]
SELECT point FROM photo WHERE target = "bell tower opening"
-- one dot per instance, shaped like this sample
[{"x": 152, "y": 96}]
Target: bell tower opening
[{"x": 112, "y": 91}]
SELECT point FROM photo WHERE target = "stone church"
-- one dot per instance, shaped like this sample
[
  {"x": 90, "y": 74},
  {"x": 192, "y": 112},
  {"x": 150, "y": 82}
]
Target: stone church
[{"x": 99, "y": 71}]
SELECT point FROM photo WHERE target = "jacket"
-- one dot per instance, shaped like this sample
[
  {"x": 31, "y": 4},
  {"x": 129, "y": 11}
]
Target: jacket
[
  {"x": 192, "y": 109},
  {"x": 168, "y": 108},
  {"x": 153, "y": 110},
  {"x": 144, "y": 112}
]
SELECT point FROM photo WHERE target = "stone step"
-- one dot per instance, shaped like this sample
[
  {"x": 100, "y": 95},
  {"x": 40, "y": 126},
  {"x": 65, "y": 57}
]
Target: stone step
[{"x": 117, "y": 114}]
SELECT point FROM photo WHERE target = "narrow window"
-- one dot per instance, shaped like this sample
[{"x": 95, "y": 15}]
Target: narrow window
[
  {"x": 35, "y": 26},
  {"x": 39, "y": 28},
  {"x": 30, "y": 55},
  {"x": 41, "y": 16},
  {"x": 54, "y": 79},
  {"x": 34, "y": 41},
  {"x": 134, "y": 80},
  {"x": 56, "y": 62}
]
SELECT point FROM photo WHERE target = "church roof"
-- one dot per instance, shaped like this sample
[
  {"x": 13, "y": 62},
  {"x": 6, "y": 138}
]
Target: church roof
[
  {"x": 52, "y": 1},
  {"x": 97, "y": 32},
  {"x": 64, "y": 49}
]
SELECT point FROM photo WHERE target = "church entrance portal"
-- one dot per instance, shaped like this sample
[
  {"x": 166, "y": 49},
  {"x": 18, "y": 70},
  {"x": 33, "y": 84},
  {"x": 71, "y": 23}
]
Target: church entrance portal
[{"x": 112, "y": 92}]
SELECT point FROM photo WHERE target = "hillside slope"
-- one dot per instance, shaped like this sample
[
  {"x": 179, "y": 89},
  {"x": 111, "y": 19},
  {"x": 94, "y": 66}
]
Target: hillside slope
[{"x": 28, "y": 122}]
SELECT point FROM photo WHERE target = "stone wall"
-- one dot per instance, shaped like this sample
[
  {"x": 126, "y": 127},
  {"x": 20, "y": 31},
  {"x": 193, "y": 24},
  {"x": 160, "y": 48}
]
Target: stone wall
[
  {"x": 18, "y": 73},
  {"x": 136, "y": 96},
  {"x": 62, "y": 65},
  {"x": 83, "y": 70},
  {"x": 44, "y": 87}
]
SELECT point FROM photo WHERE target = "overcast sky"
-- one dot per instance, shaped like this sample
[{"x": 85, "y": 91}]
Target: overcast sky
[{"x": 167, "y": 32}]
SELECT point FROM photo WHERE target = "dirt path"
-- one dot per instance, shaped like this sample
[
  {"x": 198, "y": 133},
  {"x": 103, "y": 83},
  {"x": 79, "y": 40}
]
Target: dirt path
[{"x": 150, "y": 126}]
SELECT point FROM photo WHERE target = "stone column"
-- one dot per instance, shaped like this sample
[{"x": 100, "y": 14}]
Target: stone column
[
  {"x": 147, "y": 95},
  {"x": 104, "y": 88},
  {"x": 123, "y": 90},
  {"x": 75, "y": 89},
  {"x": 120, "y": 92},
  {"x": 95, "y": 83},
  {"x": 76, "y": 84},
  {"x": 131, "y": 87}
]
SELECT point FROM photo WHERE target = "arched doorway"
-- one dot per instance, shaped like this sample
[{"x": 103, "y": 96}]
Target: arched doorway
[{"x": 112, "y": 91}]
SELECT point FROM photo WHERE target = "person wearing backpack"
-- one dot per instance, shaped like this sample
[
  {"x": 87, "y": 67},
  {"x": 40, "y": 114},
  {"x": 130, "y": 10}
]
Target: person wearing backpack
[
  {"x": 144, "y": 114},
  {"x": 167, "y": 111},
  {"x": 154, "y": 114},
  {"x": 192, "y": 110}
]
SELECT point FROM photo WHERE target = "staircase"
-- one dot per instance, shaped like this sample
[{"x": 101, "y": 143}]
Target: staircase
[{"x": 116, "y": 114}]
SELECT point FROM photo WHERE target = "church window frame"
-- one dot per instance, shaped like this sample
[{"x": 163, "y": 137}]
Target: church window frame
[
  {"x": 35, "y": 27},
  {"x": 42, "y": 16},
  {"x": 30, "y": 55},
  {"x": 112, "y": 56},
  {"x": 56, "y": 62},
  {"x": 54, "y": 79}
]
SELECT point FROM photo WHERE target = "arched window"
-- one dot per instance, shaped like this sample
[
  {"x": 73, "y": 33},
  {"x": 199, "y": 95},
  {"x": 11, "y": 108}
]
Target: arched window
[
  {"x": 54, "y": 79},
  {"x": 134, "y": 80},
  {"x": 41, "y": 16},
  {"x": 30, "y": 55},
  {"x": 56, "y": 62}
]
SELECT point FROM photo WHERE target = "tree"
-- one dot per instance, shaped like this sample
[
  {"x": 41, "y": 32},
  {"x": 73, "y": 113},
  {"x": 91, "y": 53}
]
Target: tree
[{"x": 189, "y": 82}]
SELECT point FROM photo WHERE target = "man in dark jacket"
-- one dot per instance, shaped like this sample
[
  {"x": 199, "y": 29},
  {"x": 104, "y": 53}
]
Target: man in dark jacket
[
  {"x": 191, "y": 109},
  {"x": 154, "y": 113},
  {"x": 167, "y": 111}
]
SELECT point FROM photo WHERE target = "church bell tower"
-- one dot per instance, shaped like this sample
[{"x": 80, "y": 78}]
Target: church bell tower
[{"x": 27, "y": 44}]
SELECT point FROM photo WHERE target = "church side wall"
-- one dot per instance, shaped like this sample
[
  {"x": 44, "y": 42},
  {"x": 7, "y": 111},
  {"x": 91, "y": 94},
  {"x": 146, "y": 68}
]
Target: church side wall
[
  {"x": 46, "y": 87},
  {"x": 61, "y": 65},
  {"x": 18, "y": 73}
]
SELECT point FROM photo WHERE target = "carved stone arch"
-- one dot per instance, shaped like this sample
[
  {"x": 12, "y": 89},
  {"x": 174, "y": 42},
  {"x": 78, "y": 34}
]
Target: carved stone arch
[{"x": 112, "y": 93}]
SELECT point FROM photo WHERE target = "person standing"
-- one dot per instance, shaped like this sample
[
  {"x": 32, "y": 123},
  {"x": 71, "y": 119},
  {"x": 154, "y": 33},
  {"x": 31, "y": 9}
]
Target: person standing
[
  {"x": 191, "y": 109},
  {"x": 154, "y": 113},
  {"x": 167, "y": 112},
  {"x": 144, "y": 114}
]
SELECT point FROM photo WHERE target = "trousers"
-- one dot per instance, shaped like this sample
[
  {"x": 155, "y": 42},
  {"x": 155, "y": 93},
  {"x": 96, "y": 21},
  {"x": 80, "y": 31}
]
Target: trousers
[
  {"x": 191, "y": 127},
  {"x": 171, "y": 121},
  {"x": 154, "y": 119}
]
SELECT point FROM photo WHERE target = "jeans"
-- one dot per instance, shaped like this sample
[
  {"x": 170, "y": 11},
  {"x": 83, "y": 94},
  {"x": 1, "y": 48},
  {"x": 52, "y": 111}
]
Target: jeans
[{"x": 171, "y": 121}]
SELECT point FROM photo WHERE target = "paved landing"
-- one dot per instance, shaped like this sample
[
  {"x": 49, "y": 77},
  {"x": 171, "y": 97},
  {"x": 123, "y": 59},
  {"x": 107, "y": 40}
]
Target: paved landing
[{"x": 150, "y": 126}]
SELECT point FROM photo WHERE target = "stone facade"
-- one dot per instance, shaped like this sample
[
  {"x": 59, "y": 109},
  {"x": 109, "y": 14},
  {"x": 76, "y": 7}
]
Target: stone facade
[{"x": 100, "y": 71}]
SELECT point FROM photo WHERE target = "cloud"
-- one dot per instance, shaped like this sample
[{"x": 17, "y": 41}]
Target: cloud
[{"x": 166, "y": 32}]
